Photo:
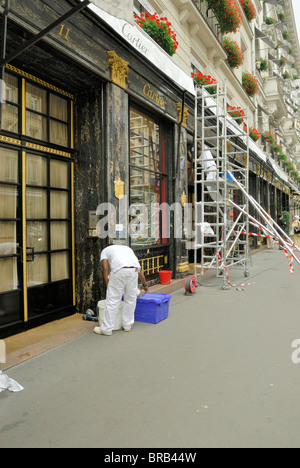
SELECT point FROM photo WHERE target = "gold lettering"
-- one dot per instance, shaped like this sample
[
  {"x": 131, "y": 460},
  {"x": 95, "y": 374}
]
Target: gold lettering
[
  {"x": 155, "y": 97},
  {"x": 66, "y": 37}
]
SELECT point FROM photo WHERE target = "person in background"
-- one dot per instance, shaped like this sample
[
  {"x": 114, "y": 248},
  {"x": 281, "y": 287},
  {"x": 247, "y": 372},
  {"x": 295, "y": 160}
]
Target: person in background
[
  {"x": 296, "y": 235},
  {"x": 121, "y": 272}
]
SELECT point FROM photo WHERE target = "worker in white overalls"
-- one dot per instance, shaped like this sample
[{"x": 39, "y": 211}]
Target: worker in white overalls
[{"x": 121, "y": 272}]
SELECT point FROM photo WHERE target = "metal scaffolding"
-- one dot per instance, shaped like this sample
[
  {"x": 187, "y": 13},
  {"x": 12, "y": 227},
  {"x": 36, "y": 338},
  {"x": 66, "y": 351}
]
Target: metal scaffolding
[{"x": 221, "y": 151}]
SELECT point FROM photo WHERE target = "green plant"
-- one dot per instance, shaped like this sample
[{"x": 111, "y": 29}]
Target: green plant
[
  {"x": 205, "y": 80},
  {"x": 281, "y": 16},
  {"x": 160, "y": 29},
  {"x": 236, "y": 113},
  {"x": 228, "y": 14},
  {"x": 282, "y": 61},
  {"x": 286, "y": 75},
  {"x": 269, "y": 20},
  {"x": 270, "y": 137},
  {"x": 249, "y": 9},
  {"x": 235, "y": 54},
  {"x": 286, "y": 35},
  {"x": 250, "y": 84},
  {"x": 264, "y": 65}
]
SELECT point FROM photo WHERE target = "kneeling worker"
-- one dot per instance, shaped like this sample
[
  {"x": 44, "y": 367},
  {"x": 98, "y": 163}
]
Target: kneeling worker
[{"x": 121, "y": 272}]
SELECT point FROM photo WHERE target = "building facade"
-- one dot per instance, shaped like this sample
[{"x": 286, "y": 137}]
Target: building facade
[{"x": 97, "y": 118}]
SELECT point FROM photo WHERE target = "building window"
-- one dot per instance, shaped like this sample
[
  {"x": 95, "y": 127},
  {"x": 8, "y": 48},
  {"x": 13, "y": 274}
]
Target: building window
[
  {"x": 10, "y": 116},
  {"x": 46, "y": 116},
  {"x": 148, "y": 180}
]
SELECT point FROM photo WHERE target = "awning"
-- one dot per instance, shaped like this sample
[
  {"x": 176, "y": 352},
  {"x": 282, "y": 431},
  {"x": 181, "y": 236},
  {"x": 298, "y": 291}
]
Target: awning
[
  {"x": 264, "y": 37},
  {"x": 149, "y": 49}
]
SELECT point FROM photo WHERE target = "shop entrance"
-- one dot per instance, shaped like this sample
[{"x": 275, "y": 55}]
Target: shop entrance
[{"x": 35, "y": 242}]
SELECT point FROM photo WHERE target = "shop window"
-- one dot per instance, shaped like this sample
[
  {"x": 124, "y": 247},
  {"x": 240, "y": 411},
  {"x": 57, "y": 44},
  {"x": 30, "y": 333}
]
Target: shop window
[
  {"x": 10, "y": 116},
  {"x": 46, "y": 116},
  {"x": 147, "y": 179}
]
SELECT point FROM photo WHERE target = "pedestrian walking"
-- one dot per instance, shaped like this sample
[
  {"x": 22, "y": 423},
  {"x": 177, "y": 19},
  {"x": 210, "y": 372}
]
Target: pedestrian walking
[
  {"x": 121, "y": 272},
  {"x": 296, "y": 231}
]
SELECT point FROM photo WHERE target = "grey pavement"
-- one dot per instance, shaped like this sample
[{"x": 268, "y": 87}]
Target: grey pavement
[{"x": 217, "y": 373}]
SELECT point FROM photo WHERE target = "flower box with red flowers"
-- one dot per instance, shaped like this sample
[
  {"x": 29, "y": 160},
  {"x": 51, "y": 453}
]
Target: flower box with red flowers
[
  {"x": 237, "y": 113},
  {"x": 250, "y": 84},
  {"x": 205, "y": 80},
  {"x": 228, "y": 14},
  {"x": 235, "y": 54},
  {"x": 160, "y": 30},
  {"x": 249, "y": 9},
  {"x": 253, "y": 133}
]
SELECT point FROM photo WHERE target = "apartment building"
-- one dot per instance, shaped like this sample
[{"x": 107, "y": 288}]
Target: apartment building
[{"x": 97, "y": 117}]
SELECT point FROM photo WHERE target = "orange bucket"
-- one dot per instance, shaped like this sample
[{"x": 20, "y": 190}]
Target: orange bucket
[{"x": 165, "y": 277}]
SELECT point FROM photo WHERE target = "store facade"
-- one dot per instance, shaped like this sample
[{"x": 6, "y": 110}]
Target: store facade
[{"x": 86, "y": 122}]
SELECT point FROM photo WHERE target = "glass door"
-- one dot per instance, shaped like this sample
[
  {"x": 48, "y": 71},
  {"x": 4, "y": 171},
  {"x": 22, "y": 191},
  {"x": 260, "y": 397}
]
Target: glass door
[
  {"x": 10, "y": 238},
  {"x": 48, "y": 232}
]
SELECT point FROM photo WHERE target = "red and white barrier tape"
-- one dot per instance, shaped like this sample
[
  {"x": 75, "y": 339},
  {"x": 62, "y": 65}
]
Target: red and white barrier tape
[{"x": 227, "y": 275}]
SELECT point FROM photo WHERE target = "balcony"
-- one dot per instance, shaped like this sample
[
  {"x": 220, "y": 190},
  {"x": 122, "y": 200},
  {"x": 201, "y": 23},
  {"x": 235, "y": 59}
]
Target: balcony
[
  {"x": 275, "y": 97},
  {"x": 202, "y": 25}
]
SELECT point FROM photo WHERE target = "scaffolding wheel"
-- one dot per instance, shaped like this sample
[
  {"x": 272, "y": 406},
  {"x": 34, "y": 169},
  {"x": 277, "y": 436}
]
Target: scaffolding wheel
[
  {"x": 190, "y": 285},
  {"x": 246, "y": 273}
]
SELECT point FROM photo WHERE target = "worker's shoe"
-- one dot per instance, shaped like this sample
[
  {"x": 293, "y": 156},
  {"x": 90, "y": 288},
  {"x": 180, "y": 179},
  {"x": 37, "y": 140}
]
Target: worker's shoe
[
  {"x": 98, "y": 331},
  {"x": 127, "y": 330}
]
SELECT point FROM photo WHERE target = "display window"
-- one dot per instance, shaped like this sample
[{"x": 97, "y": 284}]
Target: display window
[{"x": 148, "y": 180}]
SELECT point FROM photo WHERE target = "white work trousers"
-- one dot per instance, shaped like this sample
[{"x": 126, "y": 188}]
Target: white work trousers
[{"x": 125, "y": 282}]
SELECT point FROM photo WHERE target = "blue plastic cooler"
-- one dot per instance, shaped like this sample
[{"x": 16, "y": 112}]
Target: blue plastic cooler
[{"x": 152, "y": 308}]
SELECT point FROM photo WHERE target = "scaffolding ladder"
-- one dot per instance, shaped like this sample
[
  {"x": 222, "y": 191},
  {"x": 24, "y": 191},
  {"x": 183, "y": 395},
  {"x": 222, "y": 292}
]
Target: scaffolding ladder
[{"x": 221, "y": 230}]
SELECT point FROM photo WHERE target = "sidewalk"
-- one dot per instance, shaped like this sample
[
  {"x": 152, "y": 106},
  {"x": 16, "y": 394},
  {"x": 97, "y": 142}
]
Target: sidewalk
[
  {"x": 26, "y": 345},
  {"x": 217, "y": 373}
]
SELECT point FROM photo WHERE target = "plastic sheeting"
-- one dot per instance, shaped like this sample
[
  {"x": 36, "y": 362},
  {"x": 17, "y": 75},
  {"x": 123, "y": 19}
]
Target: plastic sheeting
[{"x": 9, "y": 384}]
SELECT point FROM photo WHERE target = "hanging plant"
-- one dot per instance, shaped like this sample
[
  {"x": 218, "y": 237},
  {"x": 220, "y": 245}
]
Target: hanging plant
[
  {"x": 236, "y": 113},
  {"x": 253, "y": 133},
  {"x": 286, "y": 35},
  {"x": 269, "y": 20},
  {"x": 235, "y": 54},
  {"x": 228, "y": 14},
  {"x": 160, "y": 29},
  {"x": 281, "y": 16},
  {"x": 250, "y": 84},
  {"x": 286, "y": 76},
  {"x": 270, "y": 137},
  {"x": 264, "y": 65},
  {"x": 249, "y": 9},
  {"x": 282, "y": 61},
  {"x": 204, "y": 80}
]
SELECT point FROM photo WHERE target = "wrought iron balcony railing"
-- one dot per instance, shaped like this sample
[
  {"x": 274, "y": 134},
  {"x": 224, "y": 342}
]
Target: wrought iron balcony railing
[{"x": 209, "y": 18}]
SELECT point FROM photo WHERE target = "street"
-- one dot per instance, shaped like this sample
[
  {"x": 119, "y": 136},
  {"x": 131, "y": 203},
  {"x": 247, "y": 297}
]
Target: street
[{"x": 218, "y": 373}]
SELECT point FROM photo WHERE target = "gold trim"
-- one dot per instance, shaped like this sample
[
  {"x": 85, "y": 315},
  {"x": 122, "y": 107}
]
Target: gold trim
[
  {"x": 119, "y": 69},
  {"x": 39, "y": 81},
  {"x": 12, "y": 141},
  {"x": 72, "y": 125},
  {"x": 45, "y": 149},
  {"x": 183, "y": 267},
  {"x": 73, "y": 232},
  {"x": 119, "y": 189},
  {"x": 183, "y": 199},
  {"x": 24, "y": 231},
  {"x": 23, "y": 106},
  {"x": 185, "y": 114}
]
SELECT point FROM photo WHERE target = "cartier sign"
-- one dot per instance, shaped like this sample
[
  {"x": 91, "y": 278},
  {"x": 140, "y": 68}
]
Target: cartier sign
[{"x": 154, "y": 96}]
